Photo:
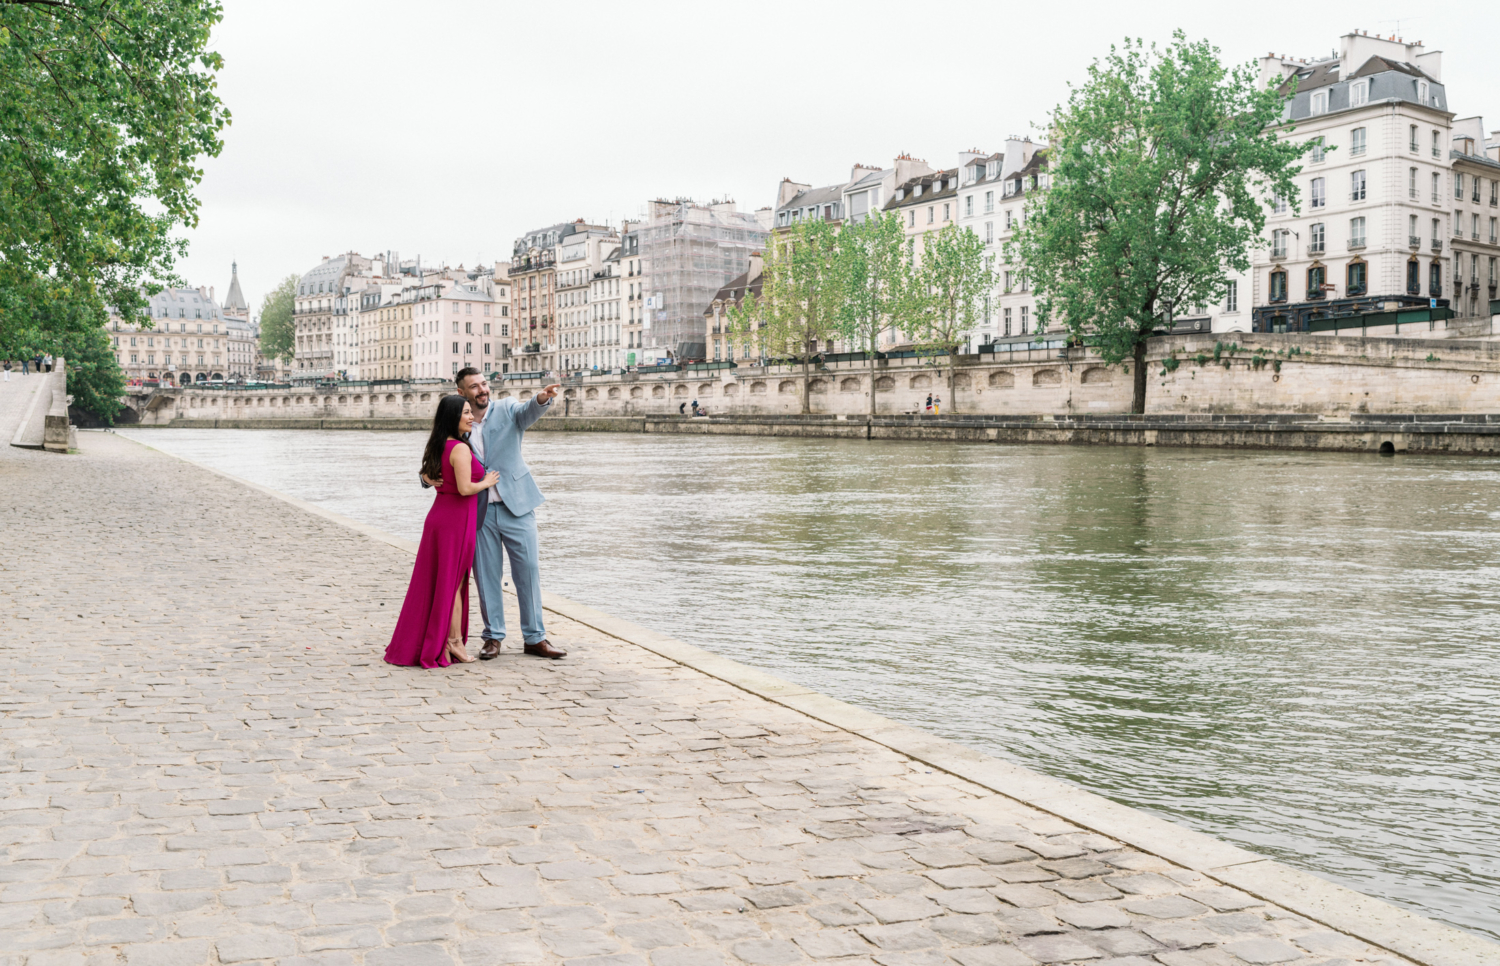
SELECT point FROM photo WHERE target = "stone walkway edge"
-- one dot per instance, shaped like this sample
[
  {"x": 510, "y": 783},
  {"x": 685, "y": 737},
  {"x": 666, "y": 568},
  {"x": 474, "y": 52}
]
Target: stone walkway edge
[{"x": 1375, "y": 921}]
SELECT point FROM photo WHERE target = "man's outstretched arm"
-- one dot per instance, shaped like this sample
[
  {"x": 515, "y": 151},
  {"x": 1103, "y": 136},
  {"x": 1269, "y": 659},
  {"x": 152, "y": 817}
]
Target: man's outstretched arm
[{"x": 536, "y": 406}]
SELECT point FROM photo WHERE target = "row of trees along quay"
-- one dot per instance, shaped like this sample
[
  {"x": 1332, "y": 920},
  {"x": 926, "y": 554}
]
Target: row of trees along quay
[{"x": 1162, "y": 163}]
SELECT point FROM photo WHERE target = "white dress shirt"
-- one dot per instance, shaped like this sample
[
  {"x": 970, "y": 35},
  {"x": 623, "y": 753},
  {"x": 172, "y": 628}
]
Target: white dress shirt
[{"x": 476, "y": 443}]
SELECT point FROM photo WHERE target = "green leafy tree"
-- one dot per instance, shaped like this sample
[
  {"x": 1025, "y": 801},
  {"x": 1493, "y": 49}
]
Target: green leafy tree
[
  {"x": 278, "y": 334},
  {"x": 954, "y": 278},
  {"x": 108, "y": 106},
  {"x": 1160, "y": 168},
  {"x": 878, "y": 284},
  {"x": 801, "y": 297}
]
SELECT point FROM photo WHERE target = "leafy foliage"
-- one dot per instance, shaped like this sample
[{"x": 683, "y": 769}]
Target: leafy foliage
[
  {"x": 1160, "y": 166},
  {"x": 801, "y": 297},
  {"x": 878, "y": 282},
  {"x": 278, "y": 335},
  {"x": 107, "y": 108},
  {"x": 953, "y": 280}
]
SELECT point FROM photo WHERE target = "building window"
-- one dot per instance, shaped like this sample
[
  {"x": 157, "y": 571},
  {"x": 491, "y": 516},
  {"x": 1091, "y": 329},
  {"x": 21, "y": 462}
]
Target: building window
[
  {"x": 1414, "y": 147},
  {"x": 1320, "y": 102},
  {"x": 1318, "y": 192},
  {"x": 1315, "y": 238},
  {"x": 455, "y": 348},
  {"x": 931, "y": 214},
  {"x": 1025, "y": 322},
  {"x": 1458, "y": 185},
  {"x": 1278, "y": 205},
  {"x": 1437, "y": 148},
  {"x": 1232, "y": 297},
  {"x": 969, "y": 206},
  {"x": 1474, "y": 227},
  {"x": 1458, "y": 224},
  {"x": 989, "y": 202},
  {"x": 1413, "y": 277},
  {"x": 912, "y": 218},
  {"x": 1317, "y": 276},
  {"x": 1357, "y": 232},
  {"x": 1475, "y": 196},
  {"x": 989, "y": 232},
  {"x": 1278, "y": 287},
  {"x": 1411, "y": 183},
  {"x": 1278, "y": 242},
  {"x": 1354, "y": 283},
  {"x": 1359, "y": 93},
  {"x": 1357, "y": 185},
  {"x": 1494, "y": 232},
  {"x": 945, "y": 211},
  {"x": 1437, "y": 188},
  {"x": 1006, "y": 313},
  {"x": 1318, "y": 152}
]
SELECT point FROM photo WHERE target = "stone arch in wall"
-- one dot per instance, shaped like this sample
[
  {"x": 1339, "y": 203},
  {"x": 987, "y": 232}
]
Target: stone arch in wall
[
  {"x": 1097, "y": 376},
  {"x": 1047, "y": 377},
  {"x": 962, "y": 381},
  {"x": 343, "y": 400},
  {"x": 570, "y": 393},
  {"x": 680, "y": 389},
  {"x": 658, "y": 392},
  {"x": 849, "y": 384},
  {"x": 818, "y": 386},
  {"x": 591, "y": 394},
  {"x": 260, "y": 402},
  {"x": 390, "y": 397},
  {"x": 731, "y": 389},
  {"x": 705, "y": 389},
  {"x": 525, "y": 394},
  {"x": 885, "y": 384},
  {"x": 636, "y": 392},
  {"x": 406, "y": 398},
  {"x": 757, "y": 387},
  {"x": 614, "y": 392},
  {"x": 358, "y": 400},
  {"x": 921, "y": 382},
  {"x": 787, "y": 387},
  {"x": 1002, "y": 380},
  {"x": 427, "y": 396},
  {"x": 299, "y": 400},
  {"x": 504, "y": 394}
]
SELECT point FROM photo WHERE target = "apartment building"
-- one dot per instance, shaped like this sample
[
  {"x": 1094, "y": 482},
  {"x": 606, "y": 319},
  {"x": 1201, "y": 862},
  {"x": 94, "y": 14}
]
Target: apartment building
[
  {"x": 635, "y": 320},
  {"x": 1373, "y": 230},
  {"x": 723, "y": 344},
  {"x": 323, "y": 294},
  {"x": 1476, "y": 217},
  {"x": 581, "y": 256},
  {"x": 533, "y": 278},
  {"x": 187, "y": 340},
  {"x": 606, "y": 312}
]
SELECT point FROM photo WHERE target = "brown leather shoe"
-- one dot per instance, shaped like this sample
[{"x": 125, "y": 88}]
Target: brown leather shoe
[
  {"x": 544, "y": 648},
  {"x": 490, "y": 651}
]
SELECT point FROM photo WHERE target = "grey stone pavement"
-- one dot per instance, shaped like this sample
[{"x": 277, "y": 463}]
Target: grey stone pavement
[{"x": 205, "y": 760}]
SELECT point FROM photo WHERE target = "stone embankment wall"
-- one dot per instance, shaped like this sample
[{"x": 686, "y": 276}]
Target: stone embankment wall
[{"x": 1254, "y": 373}]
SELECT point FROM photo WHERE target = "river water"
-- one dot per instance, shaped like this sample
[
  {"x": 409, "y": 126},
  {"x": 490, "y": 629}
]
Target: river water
[{"x": 1295, "y": 652}]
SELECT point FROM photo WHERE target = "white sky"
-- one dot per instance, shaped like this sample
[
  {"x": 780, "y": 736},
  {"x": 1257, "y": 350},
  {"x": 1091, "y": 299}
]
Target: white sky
[{"x": 447, "y": 128}]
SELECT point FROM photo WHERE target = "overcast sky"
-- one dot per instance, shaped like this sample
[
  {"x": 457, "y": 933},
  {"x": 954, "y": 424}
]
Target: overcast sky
[{"x": 447, "y": 128}]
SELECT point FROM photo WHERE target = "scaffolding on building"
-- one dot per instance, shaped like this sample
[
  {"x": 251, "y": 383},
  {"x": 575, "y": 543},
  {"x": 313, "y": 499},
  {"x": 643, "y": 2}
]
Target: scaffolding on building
[{"x": 689, "y": 251}]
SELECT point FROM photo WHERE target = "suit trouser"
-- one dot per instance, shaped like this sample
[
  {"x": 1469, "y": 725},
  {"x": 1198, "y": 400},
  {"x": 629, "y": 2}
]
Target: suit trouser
[{"x": 505, "y": 533}]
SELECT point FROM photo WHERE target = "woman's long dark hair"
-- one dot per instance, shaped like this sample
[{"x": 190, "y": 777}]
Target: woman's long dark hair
[{"x": 444, "y": 427}]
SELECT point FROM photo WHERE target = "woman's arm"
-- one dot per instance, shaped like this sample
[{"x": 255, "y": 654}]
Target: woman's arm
[{"x": 463, "y": 472}]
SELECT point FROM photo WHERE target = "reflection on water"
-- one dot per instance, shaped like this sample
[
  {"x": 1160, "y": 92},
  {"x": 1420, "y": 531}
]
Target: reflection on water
[{"x": 1295, "y": 652}]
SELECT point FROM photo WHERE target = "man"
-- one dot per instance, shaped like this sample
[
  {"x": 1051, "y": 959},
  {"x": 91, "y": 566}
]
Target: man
[{"x": 505, "y": 517}]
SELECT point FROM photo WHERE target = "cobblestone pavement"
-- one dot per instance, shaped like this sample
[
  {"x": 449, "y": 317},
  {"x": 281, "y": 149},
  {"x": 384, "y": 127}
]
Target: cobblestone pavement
[{"x": 206, "y": 761}]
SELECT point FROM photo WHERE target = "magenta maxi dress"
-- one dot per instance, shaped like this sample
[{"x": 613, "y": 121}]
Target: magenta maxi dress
[{"x": 443, "y": 560}]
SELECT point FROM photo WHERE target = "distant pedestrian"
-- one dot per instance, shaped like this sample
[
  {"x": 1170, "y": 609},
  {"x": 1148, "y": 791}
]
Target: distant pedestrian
[
  {"x": 695, "y": 407},
  {"x": 929, "y": 402},
  {"x": 7, "y": 370},
  {"x": 25, "y": 367},
  {"x": 682, "y": 409},
  {"x": 937, "y": 405},
  {"x": 49, "y": 361},
  {"x": 36, "y": 360}
]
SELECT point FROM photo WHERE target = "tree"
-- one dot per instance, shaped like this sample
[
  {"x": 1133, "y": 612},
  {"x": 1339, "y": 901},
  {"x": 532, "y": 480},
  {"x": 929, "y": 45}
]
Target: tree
[
  {"x": 800, "y": 300},
  {"x": 1161, "y": 165},
  {"x": 954, "y": 278},
  {"x": 278, "y": 335},
  {"x": 108, "y": 106},
  {"x": 878, "y": 283}
]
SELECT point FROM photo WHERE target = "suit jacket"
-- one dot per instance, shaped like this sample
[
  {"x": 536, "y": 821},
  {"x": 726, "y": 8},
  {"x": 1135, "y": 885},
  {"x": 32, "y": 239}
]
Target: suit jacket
[{"x": 503, "y": 429}]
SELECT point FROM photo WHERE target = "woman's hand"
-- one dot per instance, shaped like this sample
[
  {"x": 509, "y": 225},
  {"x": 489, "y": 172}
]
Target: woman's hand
[{"x": 490, "y": 479}]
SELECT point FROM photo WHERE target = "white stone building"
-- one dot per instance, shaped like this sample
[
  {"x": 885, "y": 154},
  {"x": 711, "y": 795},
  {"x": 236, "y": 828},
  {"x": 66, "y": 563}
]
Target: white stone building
[
  {"x": 1476, "y": 218},
  {"x": 1373, "y": 230}
]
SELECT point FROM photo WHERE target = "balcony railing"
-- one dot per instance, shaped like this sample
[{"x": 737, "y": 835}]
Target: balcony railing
[
  {"x": 1355, "y": 244},
  {"x": 1437, "y": 244},
  {"x": 1414, "y": 241}
]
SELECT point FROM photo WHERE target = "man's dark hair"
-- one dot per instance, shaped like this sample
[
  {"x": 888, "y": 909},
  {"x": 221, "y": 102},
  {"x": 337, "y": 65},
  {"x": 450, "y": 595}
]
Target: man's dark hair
[{"x": 463, "y": 374}]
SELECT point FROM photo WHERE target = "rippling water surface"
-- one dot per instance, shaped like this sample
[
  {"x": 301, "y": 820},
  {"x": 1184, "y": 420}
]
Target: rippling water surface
[{"x": 1295, "y": 652}]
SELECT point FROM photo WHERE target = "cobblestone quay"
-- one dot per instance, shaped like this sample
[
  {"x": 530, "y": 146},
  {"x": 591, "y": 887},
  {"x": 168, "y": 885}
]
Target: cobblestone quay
[{"x": 206, "y": 761}]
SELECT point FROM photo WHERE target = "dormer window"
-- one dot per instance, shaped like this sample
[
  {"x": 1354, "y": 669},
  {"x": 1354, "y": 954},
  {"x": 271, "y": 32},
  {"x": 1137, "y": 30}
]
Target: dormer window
[
  {"x": 989, "y": 169},
  {"x": 916, "y": 191},
  {"x": 1320, "y": 102},
  {"x": 1359, "y": 93},
  {"x": 1423, "y": 93}
]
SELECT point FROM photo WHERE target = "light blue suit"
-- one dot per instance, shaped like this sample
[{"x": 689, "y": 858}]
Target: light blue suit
[{"x": 509, "y": 527}]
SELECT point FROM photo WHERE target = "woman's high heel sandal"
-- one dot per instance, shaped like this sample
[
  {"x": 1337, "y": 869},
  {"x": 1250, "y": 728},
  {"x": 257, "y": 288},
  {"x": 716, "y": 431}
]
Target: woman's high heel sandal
[{"x": 456, "y": 652}]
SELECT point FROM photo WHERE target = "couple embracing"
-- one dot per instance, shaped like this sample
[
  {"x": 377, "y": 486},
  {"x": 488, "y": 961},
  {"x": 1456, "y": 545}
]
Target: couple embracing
[{"x": 484, "y": 509}]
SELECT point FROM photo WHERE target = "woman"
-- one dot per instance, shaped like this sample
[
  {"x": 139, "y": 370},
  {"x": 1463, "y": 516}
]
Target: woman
[{"x": 434, "y": 621}]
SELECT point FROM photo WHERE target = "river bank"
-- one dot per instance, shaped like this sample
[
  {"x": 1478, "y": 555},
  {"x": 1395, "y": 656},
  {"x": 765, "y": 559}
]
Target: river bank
[
  {"x": 1361, "y": 433},
  {"x": 233, "y": 772}
]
